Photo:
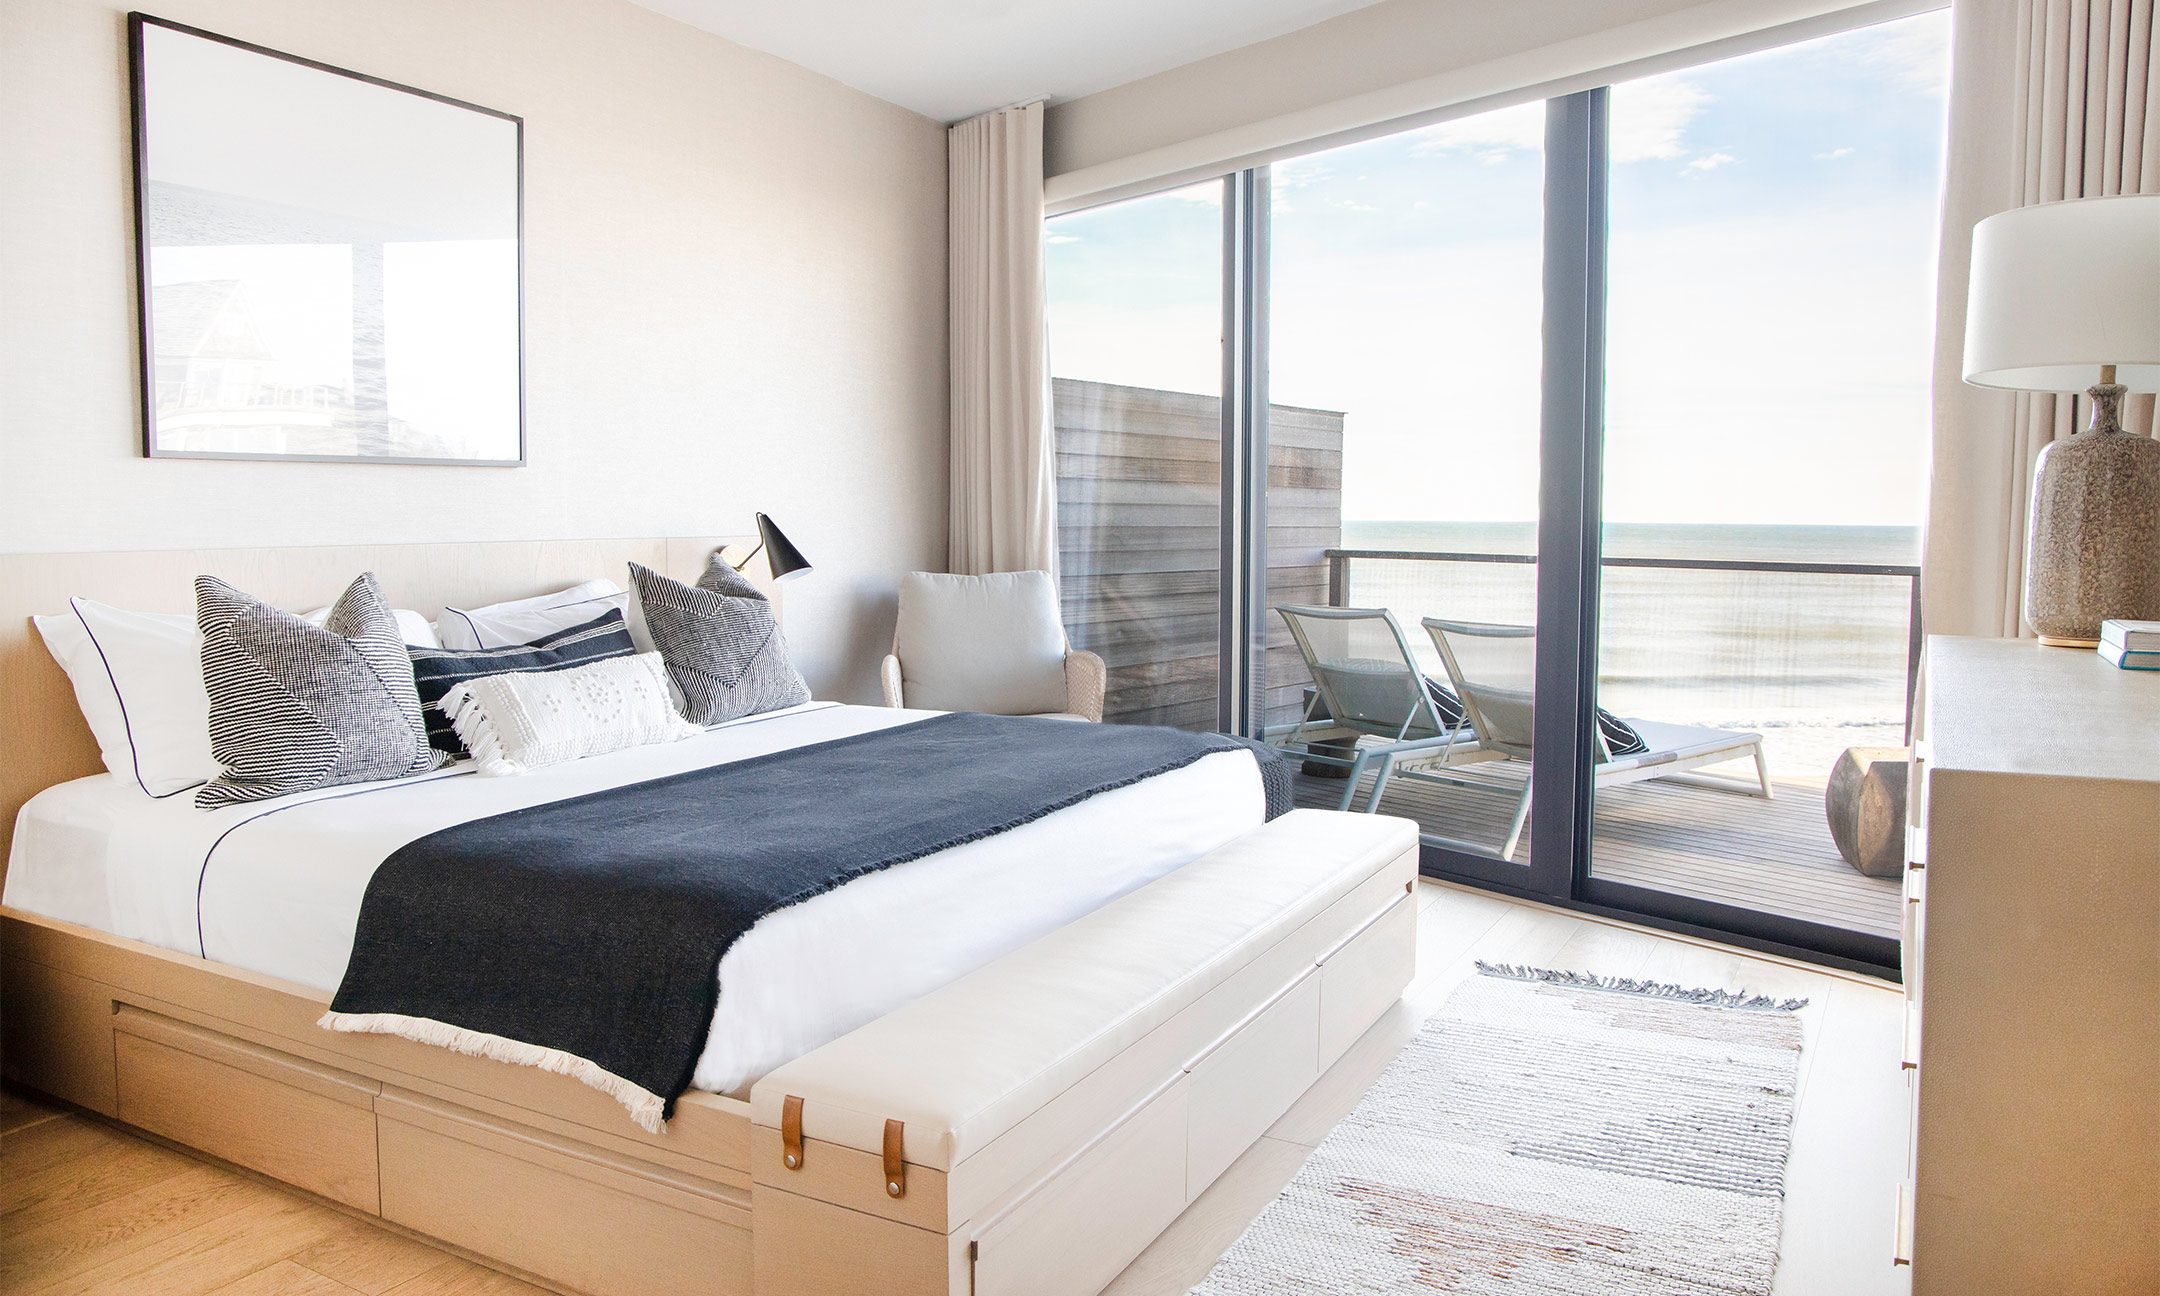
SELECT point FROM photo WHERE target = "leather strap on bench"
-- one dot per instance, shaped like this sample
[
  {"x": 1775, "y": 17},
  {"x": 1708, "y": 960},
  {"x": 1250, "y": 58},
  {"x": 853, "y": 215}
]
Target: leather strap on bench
[
  {"x": 895, "y": 1159},
  {"x": 791, "y": 1132}
]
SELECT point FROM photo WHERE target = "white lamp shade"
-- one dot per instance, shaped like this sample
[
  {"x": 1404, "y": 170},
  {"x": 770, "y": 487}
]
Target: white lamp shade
[{"x": 2060, "y": 289}]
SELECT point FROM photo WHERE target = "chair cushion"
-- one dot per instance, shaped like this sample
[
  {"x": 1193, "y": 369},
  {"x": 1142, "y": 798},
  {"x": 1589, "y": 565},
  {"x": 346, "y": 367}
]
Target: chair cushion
[
  {"x": 1665, "y": 743},
  {"x": 981, "y": 643}
]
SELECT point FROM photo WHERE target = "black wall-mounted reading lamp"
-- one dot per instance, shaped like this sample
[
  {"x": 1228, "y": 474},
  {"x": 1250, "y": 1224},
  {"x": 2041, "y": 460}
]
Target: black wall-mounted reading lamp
[{"x": 782, "y": 558}]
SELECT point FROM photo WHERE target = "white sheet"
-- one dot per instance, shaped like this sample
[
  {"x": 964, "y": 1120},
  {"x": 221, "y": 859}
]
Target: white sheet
[{"x": 280, "y": 882}]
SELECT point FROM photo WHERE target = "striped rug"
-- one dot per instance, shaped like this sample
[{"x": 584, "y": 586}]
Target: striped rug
[{"x": 1549, "y": 1133}]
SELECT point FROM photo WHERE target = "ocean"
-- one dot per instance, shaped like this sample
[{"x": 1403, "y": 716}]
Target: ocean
[{"x": 1816, "y": 663}]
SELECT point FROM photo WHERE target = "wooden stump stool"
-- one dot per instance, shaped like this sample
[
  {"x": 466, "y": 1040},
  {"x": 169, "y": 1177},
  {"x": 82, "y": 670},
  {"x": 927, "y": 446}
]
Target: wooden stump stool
[{"x": 1866, "y": 805}]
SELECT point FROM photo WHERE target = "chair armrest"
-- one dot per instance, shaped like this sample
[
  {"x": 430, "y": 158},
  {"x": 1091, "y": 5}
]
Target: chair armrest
[
  {"x": 1085, "y": 678},
  {"x": 890, "y": 674}
]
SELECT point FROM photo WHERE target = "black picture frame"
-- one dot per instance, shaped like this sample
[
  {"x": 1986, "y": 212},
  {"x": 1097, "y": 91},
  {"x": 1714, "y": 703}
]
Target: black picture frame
[{"x": 146, "y": 339}]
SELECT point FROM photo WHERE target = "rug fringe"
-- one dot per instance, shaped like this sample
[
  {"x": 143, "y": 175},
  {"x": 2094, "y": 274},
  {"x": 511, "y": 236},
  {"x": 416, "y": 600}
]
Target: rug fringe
[
  {"x": 645, "y": 1106},
  {"x": 1650, "y": 989}
]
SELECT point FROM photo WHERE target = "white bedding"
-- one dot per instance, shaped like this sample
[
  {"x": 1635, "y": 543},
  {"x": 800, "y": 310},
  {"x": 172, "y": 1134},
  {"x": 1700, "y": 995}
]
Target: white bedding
[{"x": 280, "y": 882}]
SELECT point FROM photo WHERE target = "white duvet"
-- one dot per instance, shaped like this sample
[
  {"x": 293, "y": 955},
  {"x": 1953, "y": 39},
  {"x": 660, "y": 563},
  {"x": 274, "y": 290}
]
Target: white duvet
[{"x": 275, "y": 887}]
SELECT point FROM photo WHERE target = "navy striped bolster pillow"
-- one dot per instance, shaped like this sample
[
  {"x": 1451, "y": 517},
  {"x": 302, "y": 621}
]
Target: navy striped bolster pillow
[{"x": 435, "y": 670}]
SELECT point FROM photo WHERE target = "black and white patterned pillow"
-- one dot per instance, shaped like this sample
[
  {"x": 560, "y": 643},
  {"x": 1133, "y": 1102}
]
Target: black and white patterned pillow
[
  {"x": 436, "y": 670},
  {"x": 721, "y": 641},
  {"x": 295, "y": 706}
]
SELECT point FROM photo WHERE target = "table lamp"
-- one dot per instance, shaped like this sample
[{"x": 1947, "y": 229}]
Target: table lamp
[{"x": 2065, "y": 297}]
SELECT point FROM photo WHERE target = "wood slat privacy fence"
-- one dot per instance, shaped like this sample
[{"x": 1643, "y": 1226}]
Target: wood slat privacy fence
[{"x": 1139, "y": 478}]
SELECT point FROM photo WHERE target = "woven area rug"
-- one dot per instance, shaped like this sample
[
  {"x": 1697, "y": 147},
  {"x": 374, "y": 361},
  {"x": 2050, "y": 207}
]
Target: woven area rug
[{"x": 1549, "y": 1133}]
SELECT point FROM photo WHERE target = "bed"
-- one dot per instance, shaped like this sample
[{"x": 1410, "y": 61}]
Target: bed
[{"x": 957, "y": 1074}]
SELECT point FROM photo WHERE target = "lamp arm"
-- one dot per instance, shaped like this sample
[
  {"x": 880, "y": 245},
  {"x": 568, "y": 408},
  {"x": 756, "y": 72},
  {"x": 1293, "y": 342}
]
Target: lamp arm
[{"x": 754, "y": 552}]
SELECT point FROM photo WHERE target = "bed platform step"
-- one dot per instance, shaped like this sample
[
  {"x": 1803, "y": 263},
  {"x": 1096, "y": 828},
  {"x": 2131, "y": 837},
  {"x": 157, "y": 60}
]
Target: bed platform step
[{"x": 1063, "y": 1105}]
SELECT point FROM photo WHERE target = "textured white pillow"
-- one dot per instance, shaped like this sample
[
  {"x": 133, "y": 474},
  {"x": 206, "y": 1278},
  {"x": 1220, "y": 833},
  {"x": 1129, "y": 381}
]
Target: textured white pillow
[
  {"x": 519, "y": 722},
  {"x": 524, "y": 621},
  {"x": 417, "y": 630},
  {"x": 981, "y": 643},
  {"x": 138, "y": 679}
]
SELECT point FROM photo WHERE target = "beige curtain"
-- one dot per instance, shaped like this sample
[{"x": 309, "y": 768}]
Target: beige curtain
[
  {"x": 2050, "y": 99},
  {"x": 1004, "y": 506}
]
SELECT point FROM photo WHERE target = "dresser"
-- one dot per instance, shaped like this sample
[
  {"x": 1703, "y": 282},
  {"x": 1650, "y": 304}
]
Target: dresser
[{"x": 2032, "y": 973}]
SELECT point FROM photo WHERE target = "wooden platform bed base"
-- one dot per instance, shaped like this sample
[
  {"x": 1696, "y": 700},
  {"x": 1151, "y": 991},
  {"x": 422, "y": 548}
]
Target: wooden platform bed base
[{"x": 1041, "y": 1126}]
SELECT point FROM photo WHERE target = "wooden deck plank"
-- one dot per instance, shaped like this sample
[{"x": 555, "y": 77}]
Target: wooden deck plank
[{"x": 1774, "y": 856}]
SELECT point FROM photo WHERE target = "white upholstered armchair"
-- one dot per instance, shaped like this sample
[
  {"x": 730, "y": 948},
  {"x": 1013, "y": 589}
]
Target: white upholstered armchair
[{"x": 989, "y": 643}]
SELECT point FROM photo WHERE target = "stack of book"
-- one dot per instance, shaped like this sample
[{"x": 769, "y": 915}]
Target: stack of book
[{"x": 2132, "y": 645}]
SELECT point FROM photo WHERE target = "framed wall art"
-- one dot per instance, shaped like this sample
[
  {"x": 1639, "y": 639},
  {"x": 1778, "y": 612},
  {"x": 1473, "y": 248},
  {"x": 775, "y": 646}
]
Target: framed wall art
[{"x": 330, "y": 265}]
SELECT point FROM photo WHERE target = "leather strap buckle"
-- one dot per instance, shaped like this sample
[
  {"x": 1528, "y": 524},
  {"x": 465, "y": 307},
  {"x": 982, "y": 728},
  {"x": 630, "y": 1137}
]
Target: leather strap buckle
[
  {"x": 895, "y": 1160},
  {"x": 791, "y": 1132}
]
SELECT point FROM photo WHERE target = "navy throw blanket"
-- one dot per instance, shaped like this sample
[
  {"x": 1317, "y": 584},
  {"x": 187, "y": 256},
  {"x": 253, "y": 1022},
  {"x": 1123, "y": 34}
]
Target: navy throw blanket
[{"x": 595, "y": 926}]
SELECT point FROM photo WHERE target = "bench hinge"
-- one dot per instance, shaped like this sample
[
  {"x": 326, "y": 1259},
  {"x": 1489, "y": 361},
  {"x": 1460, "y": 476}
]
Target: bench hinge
[
  {"x": 791, "y": 1132},
  {"x": 895, "y": 1160}
]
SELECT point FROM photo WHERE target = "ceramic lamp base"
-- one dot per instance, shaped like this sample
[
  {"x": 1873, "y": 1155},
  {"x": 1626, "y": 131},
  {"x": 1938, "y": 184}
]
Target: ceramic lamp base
[{"x": 2094, "y": 545}]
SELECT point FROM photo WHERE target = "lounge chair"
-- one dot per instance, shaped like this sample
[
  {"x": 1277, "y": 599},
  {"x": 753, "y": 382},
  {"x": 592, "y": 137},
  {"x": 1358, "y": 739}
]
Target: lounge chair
[
  {"x": 1492, "y": 666},
  {"x": 1369, "y": 693}
]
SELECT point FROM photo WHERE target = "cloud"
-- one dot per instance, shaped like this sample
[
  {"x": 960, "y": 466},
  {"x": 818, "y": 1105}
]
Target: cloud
[
  {"x": 1061, "y": 238},
  {"x": 1297, "y": 173},
  {"x": 1491, "y": 137},
  {"x": 1710, "y": 162},
  {"x": 1833, "y": 155},
  {"x": 1650, "y": 118},
  {"x": 1915, "y": 53}
]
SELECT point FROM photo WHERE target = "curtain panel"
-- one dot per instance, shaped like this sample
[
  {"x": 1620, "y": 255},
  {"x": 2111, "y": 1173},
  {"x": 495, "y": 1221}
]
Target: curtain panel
[
  {"x": 2050, "y": 99},
  {"x": 1004, "y": 463}
]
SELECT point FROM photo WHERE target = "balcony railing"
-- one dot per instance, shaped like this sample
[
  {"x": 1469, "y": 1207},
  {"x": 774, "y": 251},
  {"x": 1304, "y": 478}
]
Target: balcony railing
[{"x": 1339, "y": 563}]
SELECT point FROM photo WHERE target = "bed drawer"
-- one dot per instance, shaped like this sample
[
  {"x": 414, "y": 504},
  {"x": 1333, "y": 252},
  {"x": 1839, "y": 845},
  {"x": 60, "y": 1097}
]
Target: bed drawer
[
  {"x": 593, "y": 1222},
  {"x": 1360, "y": 978},
  {"x": 1246, "y": 1084},
  {"x": 310, "y": 1125},
  {"x": 1082, "y": 1226}
]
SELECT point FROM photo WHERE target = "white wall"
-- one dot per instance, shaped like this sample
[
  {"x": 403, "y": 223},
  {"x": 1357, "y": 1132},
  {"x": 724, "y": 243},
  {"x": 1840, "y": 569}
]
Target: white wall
[
  {"x": 1392, "y": 65},
  {"x": 735, "y": 300}
]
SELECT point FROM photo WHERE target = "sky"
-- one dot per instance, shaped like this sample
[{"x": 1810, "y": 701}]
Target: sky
[{"x": 1770, "y": 340}]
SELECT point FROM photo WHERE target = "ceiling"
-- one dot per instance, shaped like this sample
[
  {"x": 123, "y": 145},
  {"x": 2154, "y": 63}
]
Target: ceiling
[{"x": 951, "y": 59}]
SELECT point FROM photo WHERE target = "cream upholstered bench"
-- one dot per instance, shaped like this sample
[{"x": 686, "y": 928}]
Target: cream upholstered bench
[{"x": 1031, "y": 1127}]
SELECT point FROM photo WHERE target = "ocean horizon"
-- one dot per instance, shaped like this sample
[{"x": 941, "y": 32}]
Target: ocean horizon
[{"x": 1815, "y": 662}]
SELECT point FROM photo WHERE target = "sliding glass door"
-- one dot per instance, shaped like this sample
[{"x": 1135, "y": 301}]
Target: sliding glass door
[
  {"x": 1136, "y": 311},
  {"x": 1770, "y": 333},
  {"x": 1403, "y": 368},
  {"x": 1587, "y": 435}
]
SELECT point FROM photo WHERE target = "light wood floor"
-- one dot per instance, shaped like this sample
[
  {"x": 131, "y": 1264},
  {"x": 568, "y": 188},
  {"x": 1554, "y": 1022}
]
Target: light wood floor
[
  {"x": 1849, "y": 1127},
  {"x": 1775, "y": 856},
  {"x": 86, "y": 1208}
]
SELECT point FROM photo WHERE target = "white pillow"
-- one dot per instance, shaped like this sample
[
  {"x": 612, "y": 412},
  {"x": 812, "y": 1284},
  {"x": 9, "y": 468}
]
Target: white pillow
[
  {"x": 416, "y": 630},
  {"x": 521, "y": 721},
  {"x": 981, "y": 643},
  {"x": 524, "y": 621},
  {"x": 138, "y": 679}
]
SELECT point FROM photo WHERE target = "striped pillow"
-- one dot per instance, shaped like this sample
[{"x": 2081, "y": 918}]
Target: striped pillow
[
  {"x": 722, "y": 644},
  {"x": 437, "y": 670},
  {"x": 294, "y": 706}
]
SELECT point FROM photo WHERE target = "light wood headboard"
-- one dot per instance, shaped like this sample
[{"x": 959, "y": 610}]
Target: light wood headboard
[{"x": 43, "y": 739}]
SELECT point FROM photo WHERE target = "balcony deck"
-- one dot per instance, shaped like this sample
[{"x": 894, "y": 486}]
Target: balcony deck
[{"x": 1775, "y": 856}]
